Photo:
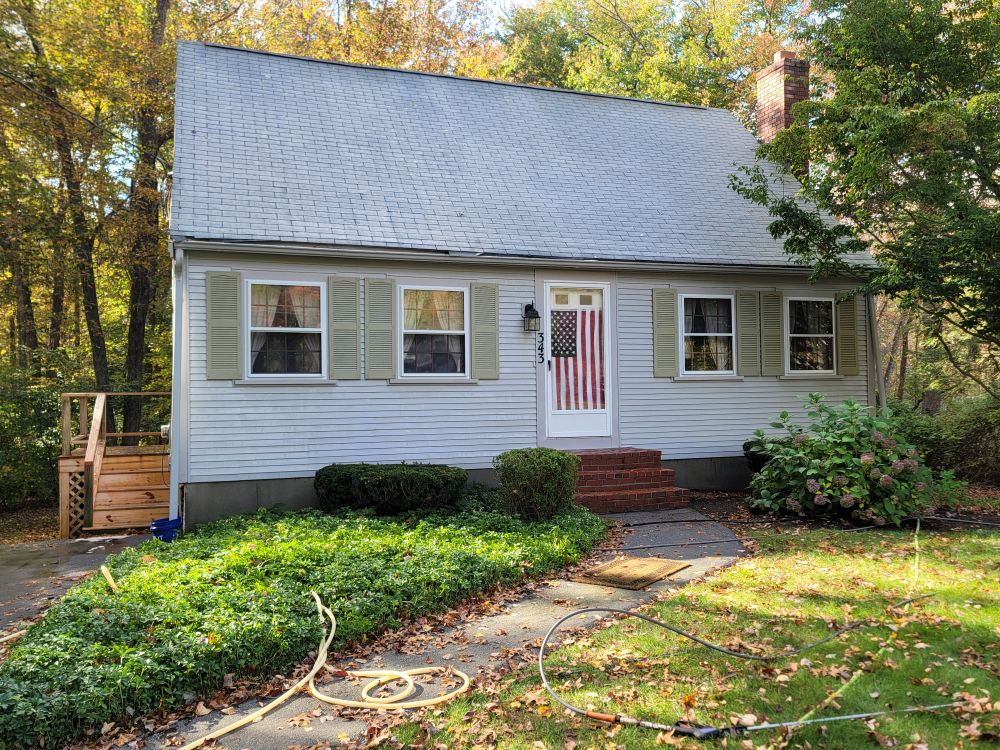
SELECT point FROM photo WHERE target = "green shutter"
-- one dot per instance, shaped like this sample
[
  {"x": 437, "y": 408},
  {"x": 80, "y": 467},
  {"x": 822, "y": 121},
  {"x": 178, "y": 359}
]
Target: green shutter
[
  {"x": 847, "y": 335},
  {"x": 748, "y": 333},
  {"x": 665, "y": 341},
  {"x": 344, "y": 300},
  {"x": 772, "y": 334},
  {"x": 380, "y": 332},
  {"x": 485, "y": 312},
  {"x": 222, "y": 319}
]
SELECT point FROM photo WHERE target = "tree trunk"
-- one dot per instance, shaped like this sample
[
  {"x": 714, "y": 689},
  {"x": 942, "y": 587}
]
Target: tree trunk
[
  {"x": 27, "y": 331},
  {"x": 82, "y": 238},
  {"x": 58, "y": 296},
  {"x": 904, "y": 356},
  {"x": 144, "y": 248}
]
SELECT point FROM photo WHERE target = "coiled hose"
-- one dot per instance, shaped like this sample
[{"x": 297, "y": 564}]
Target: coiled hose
[{"x": 379, "y": 678}]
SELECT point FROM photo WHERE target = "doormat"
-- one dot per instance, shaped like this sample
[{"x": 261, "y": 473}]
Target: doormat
[{"x": 632, "y": 573}]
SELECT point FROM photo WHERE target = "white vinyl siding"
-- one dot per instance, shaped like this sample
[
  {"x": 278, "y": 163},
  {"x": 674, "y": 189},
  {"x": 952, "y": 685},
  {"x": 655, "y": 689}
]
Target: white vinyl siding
[
  {"x": 259, "y": 431},
  {"x": 277, "y": 430},
  {"x": 705, "y": 417}
]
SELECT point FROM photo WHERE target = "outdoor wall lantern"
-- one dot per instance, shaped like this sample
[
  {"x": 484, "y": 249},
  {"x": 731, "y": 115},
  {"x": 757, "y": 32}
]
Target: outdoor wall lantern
[{"x": 532, "y": 320}]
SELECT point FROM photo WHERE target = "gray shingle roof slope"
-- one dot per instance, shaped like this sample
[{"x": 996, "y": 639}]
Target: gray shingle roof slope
[{"x": 283, "y": 149}]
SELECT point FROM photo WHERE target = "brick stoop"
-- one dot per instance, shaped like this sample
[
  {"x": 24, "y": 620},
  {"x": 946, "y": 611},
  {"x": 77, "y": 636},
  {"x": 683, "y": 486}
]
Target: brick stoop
[{"x": 619, "y": 480}]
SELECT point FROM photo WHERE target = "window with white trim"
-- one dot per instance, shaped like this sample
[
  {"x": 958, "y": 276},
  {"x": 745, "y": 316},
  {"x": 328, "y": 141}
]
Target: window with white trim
[
  {"x": 810, "y": 335},
  {"x": 434, "y": 332},
  {"x": 286, "y": 329},
  {"x": 707, "y": 335}
]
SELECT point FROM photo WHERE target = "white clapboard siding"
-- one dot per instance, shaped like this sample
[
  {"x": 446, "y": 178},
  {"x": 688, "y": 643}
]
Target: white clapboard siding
[
  {"x": 698, "y": 418},
  {"x": 258, "y": 432}
]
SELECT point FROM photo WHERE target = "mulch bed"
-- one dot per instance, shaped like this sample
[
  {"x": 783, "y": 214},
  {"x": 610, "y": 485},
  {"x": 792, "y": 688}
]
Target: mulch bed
[
  {"x": 30, "y": 524},
  {"x": 732, "y": 507}
]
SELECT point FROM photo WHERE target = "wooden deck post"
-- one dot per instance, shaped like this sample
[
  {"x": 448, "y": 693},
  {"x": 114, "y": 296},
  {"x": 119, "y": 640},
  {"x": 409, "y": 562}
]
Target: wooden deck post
[{"x": 67, "y": 425}]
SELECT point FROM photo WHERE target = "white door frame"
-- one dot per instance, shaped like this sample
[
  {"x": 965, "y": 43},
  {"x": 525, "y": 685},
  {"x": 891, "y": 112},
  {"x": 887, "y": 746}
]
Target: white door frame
[{"x": 606, "y": 282}]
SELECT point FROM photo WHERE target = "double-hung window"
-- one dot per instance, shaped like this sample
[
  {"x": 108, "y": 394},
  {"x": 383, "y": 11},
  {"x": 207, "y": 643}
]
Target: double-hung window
[
  {"x": 286, "y": 329},
  {"x": 434, "y": 332},
  {"x": 810, "y": 335},
  {"x": 707, "y": 335}
]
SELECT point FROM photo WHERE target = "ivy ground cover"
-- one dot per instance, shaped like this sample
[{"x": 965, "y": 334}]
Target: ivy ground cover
[
  {"x": 797, "y": 589},
  {"x": 232, "y": 598}
]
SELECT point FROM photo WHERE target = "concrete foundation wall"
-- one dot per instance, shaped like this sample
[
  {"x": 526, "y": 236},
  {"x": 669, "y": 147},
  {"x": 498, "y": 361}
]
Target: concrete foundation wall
[
  {"x": 722, "y": 473},
  {"x": 210, "y": 501}
]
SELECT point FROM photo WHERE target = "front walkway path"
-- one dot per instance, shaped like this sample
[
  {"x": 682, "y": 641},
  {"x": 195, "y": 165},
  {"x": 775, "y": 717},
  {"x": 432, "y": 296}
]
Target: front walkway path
[
  {"x": 478, "y": 646},
  {"x": 37, "y": 573}
]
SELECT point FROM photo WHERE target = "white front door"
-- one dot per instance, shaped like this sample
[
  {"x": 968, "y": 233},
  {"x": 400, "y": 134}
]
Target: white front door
[{"x": 576, "y": 345}]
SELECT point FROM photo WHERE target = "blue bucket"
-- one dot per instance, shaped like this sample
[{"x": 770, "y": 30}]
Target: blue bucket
[{"x": 165, "y": 529}]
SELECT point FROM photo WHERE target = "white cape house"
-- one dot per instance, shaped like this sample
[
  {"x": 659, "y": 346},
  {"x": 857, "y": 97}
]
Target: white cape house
[{"x": 362, "y": 256}]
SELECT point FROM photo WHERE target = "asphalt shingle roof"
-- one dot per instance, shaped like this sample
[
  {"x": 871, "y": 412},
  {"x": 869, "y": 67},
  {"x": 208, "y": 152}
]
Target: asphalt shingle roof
[{"x": 283, "y": 149}]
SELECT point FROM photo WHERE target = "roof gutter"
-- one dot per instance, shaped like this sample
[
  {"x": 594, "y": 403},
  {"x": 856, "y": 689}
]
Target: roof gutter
[{"x": 438, "y": 256}]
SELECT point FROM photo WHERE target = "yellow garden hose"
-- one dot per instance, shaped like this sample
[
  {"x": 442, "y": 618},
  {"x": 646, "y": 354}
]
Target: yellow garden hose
[{"x": 379, "y": 677}]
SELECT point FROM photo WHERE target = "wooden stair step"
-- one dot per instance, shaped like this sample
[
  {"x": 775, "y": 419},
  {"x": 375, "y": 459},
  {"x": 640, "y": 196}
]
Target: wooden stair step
[
  {"x": 106, "y": 498},
  {"x": 126, "y": 519},
  {"x": 115, "y": 480}
]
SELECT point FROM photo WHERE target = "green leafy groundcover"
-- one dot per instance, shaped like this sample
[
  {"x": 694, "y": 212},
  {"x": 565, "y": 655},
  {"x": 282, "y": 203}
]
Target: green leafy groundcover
[{"x": 233, "y": 597}]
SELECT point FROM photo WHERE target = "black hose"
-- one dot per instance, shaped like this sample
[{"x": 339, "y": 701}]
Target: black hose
[{"x": 702, "y": 732}]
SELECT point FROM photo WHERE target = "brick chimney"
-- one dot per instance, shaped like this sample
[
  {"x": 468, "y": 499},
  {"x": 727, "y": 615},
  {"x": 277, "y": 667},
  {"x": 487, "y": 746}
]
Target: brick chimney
[{"x": 780, "y": 85}]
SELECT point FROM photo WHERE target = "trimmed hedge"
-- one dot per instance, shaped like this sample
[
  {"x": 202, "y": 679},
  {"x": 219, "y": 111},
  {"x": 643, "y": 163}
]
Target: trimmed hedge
[
  {"x": 536, "y": 483},
  {"x": 389, "y": 489}
]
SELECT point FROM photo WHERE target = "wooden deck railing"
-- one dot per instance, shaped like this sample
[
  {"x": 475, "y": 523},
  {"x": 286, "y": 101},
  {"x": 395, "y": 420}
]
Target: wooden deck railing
[
  {"x": 86, "y": 441},
  {"x": 73, "y": 438}
]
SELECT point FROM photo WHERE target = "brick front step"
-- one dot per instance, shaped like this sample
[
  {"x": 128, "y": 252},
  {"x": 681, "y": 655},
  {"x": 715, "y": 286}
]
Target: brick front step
[
  {"x": 617, "y": 480},
  {"x": 634, "y": 500},
  {"x": 620, "y": 478},
  {"x": 618, "y": 458}
]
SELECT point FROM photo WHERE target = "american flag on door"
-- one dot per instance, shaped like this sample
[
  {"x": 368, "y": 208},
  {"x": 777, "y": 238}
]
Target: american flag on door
[{"x": 578, "y": 359}]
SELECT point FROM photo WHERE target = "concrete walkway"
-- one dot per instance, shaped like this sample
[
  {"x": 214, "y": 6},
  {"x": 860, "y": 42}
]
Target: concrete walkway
[
  {"x": 474, "y": 647},
  {"x": 37, "y": 573}
]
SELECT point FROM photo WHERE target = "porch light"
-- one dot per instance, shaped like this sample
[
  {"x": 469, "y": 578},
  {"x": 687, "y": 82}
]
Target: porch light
[{"x": 532, "y": 320}]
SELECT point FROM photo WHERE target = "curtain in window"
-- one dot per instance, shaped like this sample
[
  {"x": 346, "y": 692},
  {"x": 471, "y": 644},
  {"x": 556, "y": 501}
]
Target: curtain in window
[{"x": 274, "y": 306}]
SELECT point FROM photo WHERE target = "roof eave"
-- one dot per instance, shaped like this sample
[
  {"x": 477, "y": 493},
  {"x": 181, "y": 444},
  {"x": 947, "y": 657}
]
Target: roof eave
[{"x": 442, "y": 256}]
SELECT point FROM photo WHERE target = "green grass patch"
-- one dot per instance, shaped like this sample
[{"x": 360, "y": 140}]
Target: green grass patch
[
  {"x": 232, "y": 597},
  {"x": 796, "y": 590}
]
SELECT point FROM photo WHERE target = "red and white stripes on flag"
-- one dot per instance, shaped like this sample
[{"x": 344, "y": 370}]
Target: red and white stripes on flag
[{"x": 578, "y": 359}]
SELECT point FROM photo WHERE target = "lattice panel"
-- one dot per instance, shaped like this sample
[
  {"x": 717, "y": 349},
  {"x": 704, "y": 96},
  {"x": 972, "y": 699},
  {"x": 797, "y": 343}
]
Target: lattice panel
[{"x": 77, "y": 503}]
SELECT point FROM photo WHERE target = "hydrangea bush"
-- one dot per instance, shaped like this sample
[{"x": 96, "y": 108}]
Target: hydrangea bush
[{"x": 846, "y": 462}]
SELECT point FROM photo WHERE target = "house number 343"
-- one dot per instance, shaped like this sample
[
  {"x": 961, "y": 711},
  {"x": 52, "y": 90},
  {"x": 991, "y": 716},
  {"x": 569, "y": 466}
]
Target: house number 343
[{"x": 541, "y": 347}]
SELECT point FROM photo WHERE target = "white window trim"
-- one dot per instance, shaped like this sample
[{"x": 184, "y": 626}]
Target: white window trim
[
  {"x": 708, "y": 374},
  {"x": 402, "y": 330},
  {"x": 786, "y": 315},
  {"x": 248, "y": 330}
]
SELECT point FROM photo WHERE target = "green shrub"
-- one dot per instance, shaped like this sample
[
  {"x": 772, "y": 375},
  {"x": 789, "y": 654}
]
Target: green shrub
[
  {"x": 232, "y": 597},
  {"x": 846, "y": 462},
  {"x": 334, "y": 485},
  {"x": 389, "y": 489},
  {"x": 536, "y": 483},
  {"x": 29, "y": 440},
  {"x": 964, "y": 436},
  {"x": 756, "y": 453}
]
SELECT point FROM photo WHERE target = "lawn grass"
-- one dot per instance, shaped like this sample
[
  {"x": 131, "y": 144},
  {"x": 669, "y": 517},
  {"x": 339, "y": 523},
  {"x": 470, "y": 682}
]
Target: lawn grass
[
  {"x": 233, "y": 598},
  {"x": 797, "y": 589}
]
